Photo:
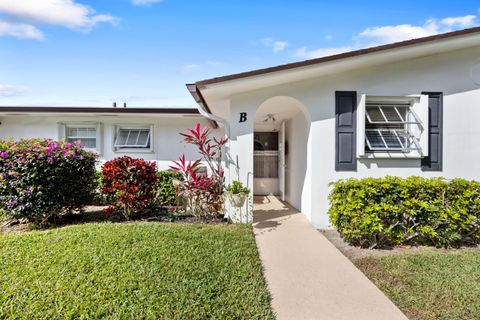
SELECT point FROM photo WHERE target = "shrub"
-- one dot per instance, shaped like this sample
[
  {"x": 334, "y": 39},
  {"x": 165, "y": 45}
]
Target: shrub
[
  {"x": 166, "y": 192},
  {"x": 203, "y": 193},
  {"x": 379, "y": 212},
  {"x": 131, "y": 183},
  {"x": 100, "y": 198},
  {"x": 43, "y": 178}
]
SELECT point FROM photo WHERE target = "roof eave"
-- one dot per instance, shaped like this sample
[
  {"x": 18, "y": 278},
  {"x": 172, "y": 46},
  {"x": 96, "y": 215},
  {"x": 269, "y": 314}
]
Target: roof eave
[
  {"x": 200, "y": 100},
  {"x": 46, "y": 109},
  {"x": 350, "y": 54}
]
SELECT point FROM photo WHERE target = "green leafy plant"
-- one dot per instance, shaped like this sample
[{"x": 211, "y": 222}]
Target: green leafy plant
[
  {"x": 236, "y": 188},
  {"x": 237, "y": 194},
  {"x": 382, "y": 212},
  {"x": 42, "y": 178},
  {"x": 166, "y": 192}
]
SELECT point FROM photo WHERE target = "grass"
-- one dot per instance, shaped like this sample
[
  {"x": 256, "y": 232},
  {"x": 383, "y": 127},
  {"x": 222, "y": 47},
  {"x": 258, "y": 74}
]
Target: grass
[
  {"x": 433, "y": 285},
  {"x": 133, "y": 271}
]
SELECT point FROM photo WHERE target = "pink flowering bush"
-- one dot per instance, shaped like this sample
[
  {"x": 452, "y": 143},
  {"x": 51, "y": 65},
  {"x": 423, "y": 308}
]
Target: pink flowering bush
[{"x": 43, "y": 178}]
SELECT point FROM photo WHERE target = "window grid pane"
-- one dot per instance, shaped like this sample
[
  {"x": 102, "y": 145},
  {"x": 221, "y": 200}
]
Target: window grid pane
[
  {"x": 133, "y": 138},
  {"x": 86, "y": 136},
  {"x": 387, "y": 127}
]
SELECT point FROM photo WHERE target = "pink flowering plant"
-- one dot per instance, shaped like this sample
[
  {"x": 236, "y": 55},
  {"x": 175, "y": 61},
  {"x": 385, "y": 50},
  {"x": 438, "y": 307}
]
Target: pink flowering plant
[
  {"x": 41, "y": 178},
  {"x": 203, "y": 192}
]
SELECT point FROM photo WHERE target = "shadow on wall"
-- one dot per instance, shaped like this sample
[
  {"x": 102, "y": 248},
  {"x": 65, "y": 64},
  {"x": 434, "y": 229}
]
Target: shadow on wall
[{"x": 390, "y": 163}]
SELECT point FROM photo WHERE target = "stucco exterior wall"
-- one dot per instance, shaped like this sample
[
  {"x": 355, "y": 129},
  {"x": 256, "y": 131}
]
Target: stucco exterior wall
[
  {"x": 296, "y": 135},
  {"x": 168, "y": 144},
  {"x": 456, "y": 74}
]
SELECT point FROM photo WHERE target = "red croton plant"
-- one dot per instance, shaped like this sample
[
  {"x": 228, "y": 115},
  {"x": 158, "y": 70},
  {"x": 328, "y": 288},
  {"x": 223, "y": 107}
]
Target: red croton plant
[
  {"x": 203, "y": 192},
  {"x": 131, "y": 182}
]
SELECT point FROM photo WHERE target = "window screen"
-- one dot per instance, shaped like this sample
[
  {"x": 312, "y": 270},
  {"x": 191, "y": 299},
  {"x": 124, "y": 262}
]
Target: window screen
[
  {"x": 133, "y": 138},
  {"x": 388, "y": 127},
  {"x": 265, "y": 165}
]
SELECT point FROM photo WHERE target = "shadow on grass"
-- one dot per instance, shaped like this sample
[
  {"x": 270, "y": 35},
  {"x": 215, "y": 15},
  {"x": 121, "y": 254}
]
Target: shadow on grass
[{"x": 97, "y": 214}]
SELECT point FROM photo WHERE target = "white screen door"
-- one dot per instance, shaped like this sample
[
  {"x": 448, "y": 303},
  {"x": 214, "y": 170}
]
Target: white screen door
[{"x": 281, "y": 160}]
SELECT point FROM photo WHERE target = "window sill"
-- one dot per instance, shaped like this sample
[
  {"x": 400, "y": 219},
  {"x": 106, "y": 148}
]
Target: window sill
[
  {"x": 391, "y": 155},
  {"x": 133, "y": 151}
]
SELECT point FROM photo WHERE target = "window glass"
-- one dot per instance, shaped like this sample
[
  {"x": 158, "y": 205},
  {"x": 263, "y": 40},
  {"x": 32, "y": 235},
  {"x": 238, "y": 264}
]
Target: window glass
[
  {"x": 387, "y": 127},
  {"x": 133, "y": 138},
  {"x": 86, "y": 136},
  {"x": 265, "y": 141}
]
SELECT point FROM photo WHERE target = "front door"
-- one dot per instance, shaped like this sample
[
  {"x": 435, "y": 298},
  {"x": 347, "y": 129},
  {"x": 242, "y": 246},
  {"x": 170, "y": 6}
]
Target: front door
[{"x": 266, "y": 163}]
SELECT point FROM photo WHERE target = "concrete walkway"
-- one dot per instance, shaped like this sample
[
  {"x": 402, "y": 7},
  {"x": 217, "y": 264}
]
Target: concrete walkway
[{"x": 307, "y": 276}]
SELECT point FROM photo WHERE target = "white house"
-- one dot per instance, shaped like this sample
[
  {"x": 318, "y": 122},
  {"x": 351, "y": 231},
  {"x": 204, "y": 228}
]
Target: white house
[
  {"x": 403, "y": 109},
  {"x": 149, "y": 133},
  {"x": 408, "y": 108}
]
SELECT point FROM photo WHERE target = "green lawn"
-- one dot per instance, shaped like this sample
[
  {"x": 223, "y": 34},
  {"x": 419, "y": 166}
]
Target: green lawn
[
  {"x": 133, "y": 271},
  {"x": 432, "y": 285}
]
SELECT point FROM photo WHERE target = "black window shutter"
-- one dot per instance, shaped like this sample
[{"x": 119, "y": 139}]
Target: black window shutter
[
  {"x": 435, "y": 133},
  {"x": 345, "y": 130}
]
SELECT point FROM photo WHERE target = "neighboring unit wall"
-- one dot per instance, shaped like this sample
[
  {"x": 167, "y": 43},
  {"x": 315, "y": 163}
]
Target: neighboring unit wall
[
  {"x": 167, "y": 142},
  {"x": 456, "y": 74}
]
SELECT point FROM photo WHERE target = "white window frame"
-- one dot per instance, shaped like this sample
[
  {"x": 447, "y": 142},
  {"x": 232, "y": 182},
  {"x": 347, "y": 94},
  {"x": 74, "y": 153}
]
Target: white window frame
[
  {"x": 418, "y": 128},
  {"x": 148, "y": 149},
  {"x": 63, "y": 129}
]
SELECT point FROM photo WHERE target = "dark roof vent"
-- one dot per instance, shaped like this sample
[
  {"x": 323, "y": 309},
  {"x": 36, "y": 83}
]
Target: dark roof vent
[
  {"x": 114, "y": 104},
  {"x": 124, "y": 104}
]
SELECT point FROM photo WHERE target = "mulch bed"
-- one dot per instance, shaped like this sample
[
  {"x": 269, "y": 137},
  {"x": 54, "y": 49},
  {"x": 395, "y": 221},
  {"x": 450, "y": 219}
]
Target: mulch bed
[
  {"x": 96, "y": 214},
  {"x": 355, "y": 253}
]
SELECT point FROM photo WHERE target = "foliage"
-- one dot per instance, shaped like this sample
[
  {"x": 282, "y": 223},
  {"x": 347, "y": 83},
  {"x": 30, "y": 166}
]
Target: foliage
[
  {"x": 203, "y": 193},
  {"x": 166, "y": 194},
  {"x": 378, "y": 212},
  {"x": 43, "y": 178},
  {"x": 438, "y": 285},
  {"x": 236, "y": 188},
  {"x": 99, "y": 197},
  {"x": 133, "y": 271},
  {"x": 131, "y": 183}
]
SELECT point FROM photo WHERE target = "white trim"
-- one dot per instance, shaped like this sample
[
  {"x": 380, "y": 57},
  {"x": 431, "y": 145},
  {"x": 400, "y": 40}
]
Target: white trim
[
  {"x": 422, "y": 112},
  {"x": 417, "y": 126},
  {"x": 63, "y": 126},
  {"x": 361, "y": 126}
]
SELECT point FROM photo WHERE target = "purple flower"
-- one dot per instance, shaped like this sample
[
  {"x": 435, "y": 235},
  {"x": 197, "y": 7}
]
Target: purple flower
[{"x": 3, "y": 154}]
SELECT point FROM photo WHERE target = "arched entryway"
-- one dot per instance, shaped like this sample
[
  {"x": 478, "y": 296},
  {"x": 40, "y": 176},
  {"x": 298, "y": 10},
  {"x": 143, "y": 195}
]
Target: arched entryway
[{"x": 281, "y": 131}]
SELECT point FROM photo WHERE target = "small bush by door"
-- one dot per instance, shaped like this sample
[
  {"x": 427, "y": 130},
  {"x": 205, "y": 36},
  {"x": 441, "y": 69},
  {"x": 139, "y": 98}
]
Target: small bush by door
[{"x": 379, "y": 212}]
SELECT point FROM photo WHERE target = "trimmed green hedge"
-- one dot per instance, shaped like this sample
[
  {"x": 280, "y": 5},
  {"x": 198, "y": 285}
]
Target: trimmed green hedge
[
  {"x": 166, "y": 194},
  {"x": 382, "y": 212}
]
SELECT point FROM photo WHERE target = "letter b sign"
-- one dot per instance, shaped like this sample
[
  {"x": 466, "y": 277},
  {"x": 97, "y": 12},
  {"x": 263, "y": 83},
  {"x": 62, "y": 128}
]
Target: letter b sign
[{"x": 243, "y": 117}]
